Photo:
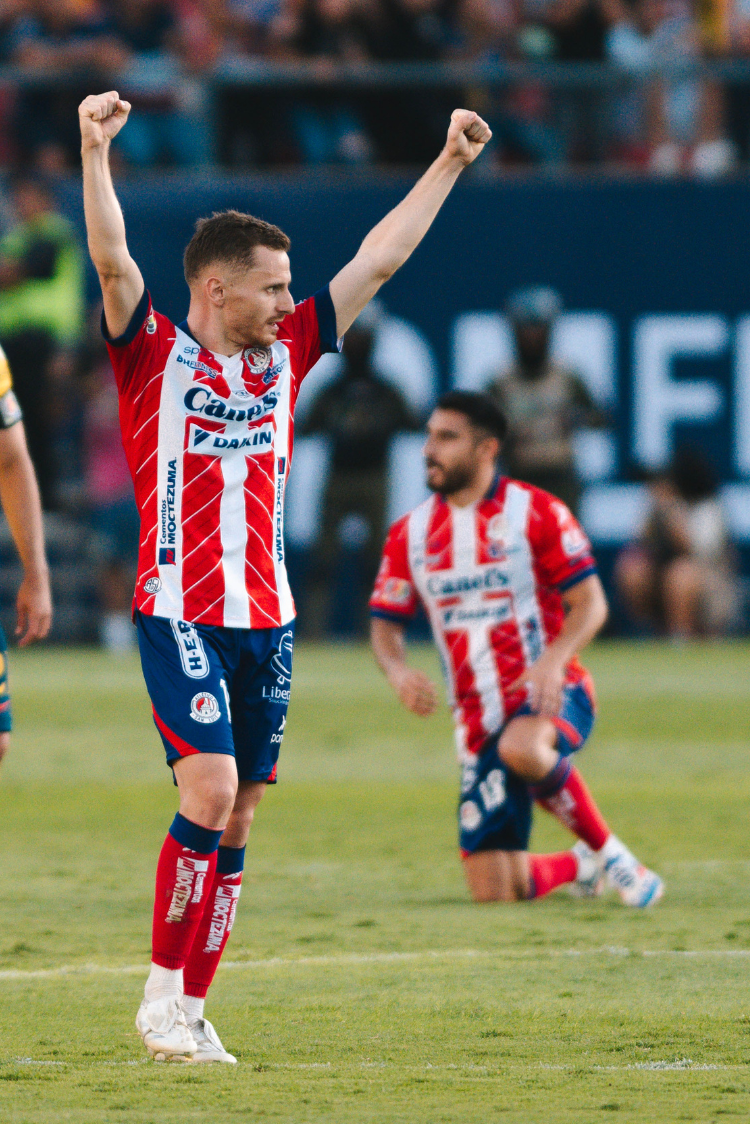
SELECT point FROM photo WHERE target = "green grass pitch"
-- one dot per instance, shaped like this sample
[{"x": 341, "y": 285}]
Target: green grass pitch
[{"x": 360, "y": 984}]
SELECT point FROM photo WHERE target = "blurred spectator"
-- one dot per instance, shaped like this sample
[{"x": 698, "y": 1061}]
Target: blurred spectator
[
  {"x": 41, "y": 310},
  {"x": 360, "y": 413},
  {"x": 679, "y": 575},
  {"x": 169, "y": 46},
  {"x": 109, "y": 494},
  {"x": 53, "y": 38},
  {"x": 327, "y": 126},
  {"x": 680, "y": 119},
  {"x": 543, "y": 401}
]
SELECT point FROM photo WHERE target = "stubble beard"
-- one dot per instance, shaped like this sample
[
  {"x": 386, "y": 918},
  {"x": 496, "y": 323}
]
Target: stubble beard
[{"x": 452, "y": 480}]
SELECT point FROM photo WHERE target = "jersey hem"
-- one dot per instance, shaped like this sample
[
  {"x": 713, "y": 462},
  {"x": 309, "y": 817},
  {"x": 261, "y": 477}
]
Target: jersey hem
[
  {"x": 136, "y": 323},
  {"x": 576, "y": 578},
  {"x": 399, "y": 618},
  {"x": 224, "y": 624},
  {"x": 326, "y": 313}
]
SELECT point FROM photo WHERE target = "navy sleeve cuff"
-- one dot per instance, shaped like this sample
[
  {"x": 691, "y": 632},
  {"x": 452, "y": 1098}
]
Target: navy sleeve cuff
[
  {"x": 576, "y": 578},
  {"x": 329, "y": 341},
  {"x": 135, "y": 325},
  {"x": 398, "y": 618}
]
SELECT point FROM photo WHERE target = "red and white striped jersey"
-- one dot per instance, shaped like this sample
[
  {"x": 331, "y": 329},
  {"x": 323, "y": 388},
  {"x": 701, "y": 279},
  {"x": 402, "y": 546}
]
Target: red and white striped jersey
[
  {"x": 490, "y": 577},
  {"x": 209, "y": 443}
]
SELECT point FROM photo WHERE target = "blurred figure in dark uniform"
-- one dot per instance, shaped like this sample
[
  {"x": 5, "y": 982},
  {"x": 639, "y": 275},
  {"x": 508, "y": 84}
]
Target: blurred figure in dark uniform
[
  {"x": 543, "y": 401},
  {"x": 360, "y": 413}
]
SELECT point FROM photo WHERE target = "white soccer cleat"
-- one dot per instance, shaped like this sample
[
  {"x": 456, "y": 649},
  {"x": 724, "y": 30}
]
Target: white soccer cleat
[
  {"x": 636, "y": 884},
  {"x": 589, "y": 881},
  {"x": 162, "y": 1026},
  {"x": 209, "y": 1044}
]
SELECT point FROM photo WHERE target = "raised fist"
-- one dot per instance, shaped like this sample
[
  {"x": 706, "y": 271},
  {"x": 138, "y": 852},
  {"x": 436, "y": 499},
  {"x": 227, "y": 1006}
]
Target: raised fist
[
  {"x": 467, "y": 135},
  {"x": 101, "y": 117}
]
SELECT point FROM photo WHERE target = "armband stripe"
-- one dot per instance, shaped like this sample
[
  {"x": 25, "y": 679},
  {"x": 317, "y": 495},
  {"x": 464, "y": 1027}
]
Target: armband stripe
[
  {"x": 137, "y": 321},
  {"x": 386, "y": 615},
  {"x": 576, "y": 578}
]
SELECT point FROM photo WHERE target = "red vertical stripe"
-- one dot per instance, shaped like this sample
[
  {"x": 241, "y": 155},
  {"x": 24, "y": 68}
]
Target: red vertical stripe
[{"x": 464, "y": 686}]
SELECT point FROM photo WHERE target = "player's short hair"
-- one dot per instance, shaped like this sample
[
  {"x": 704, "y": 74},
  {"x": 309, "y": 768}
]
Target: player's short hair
[
  {"x": 480, "y": 409},
  {"x": 229, "y": 237}
]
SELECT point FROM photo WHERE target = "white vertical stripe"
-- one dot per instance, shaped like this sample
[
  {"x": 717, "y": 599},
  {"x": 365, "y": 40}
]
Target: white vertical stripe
[
  {"x": 281, "y": 449},
  {"x": 481, "y": 656},
  {"x": 521, "y": 573},
  {"x": 168, "y": 601},
  {"x": 233, "y": 524}
]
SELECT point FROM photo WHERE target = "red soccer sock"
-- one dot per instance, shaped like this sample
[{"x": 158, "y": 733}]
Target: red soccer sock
[
  {"x": 184, "y": 873},
  {"x": 567, "y": 797},
  {"x": 216, "y": 923},
  {"x": 547, "y": 872}
]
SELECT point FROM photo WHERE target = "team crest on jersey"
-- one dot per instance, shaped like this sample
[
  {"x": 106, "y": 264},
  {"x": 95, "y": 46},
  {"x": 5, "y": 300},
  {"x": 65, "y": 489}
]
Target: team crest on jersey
[
  {"x": 258, "y": 359},
  {"x": 574, "y": 542},
  {"x": 205, "y": 708},
  {"x": 397, "y": 591},
  {"x": 152, "y": 585},
  {"x": 497, "y": 528}
]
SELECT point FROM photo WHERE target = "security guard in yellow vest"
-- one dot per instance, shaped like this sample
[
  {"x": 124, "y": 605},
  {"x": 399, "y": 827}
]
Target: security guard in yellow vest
[{"x": 41, "y": 309}]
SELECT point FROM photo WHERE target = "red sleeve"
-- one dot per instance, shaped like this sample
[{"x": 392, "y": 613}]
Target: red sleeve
[
  {"x": 562, "y": 552},
  {"x": 146, "y": 341},
  {"x": 309, "y": 332},
  {"x": 394, "y": 597}
]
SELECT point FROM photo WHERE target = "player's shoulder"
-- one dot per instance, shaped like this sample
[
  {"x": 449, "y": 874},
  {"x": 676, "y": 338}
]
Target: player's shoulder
[
  {"x": 419, "y": 515},
  {"x": 145, "y": 321},
  {"x": 541, "y": 501}
]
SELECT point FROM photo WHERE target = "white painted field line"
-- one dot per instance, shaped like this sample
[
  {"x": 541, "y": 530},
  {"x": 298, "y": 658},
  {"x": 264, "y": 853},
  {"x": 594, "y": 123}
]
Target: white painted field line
[{"x": 344, "y": 959}]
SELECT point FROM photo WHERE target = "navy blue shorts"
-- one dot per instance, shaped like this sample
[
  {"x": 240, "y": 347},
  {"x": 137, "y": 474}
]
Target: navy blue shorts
[
  {"x": 5, "y": 715},
  {"x": 494, "y": 812},
  {"x": 218, "y": 690}
]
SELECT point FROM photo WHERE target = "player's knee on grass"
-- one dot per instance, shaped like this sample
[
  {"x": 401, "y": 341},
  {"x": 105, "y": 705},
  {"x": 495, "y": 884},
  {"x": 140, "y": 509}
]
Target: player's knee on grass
[
  {"x": 527, "y": 746},
  {"x": 4, "y": 744},
  {"x": 497, "y": 876}
]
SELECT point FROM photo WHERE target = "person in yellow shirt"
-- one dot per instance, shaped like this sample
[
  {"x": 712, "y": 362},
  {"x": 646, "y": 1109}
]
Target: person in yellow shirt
[{"x": 19, "y": 496}]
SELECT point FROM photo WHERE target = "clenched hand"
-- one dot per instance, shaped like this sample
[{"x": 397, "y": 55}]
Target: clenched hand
[
  {"x": 467, "y": 135},
  {"x": 101, "y": 116}
]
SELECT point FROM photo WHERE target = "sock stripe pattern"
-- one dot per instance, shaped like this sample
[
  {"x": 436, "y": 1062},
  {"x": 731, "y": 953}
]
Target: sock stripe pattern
[
  {"x": 572, "y": 804},
  {"x": 184, "y": 874},
  {"x": 216, "y": 923}
]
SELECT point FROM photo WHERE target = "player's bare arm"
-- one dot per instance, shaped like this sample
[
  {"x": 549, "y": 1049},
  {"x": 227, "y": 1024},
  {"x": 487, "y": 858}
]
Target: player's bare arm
[
  {"x": 393, "y": 240},
  {"x": 585, "y": 613},
  {"x": 416, "y": 690},
  {"x": 19, "y": 495},
  {"x": 101, "y": 117}
]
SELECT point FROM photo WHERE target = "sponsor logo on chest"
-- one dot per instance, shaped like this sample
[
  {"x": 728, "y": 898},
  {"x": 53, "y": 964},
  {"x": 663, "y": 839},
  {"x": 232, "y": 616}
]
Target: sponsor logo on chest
[{"x": 210, "y": 443}]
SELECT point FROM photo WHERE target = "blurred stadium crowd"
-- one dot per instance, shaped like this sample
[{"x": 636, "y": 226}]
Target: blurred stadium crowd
[
  {"x": 259, "y": 83},
  {"x": 679, "y": 575}
]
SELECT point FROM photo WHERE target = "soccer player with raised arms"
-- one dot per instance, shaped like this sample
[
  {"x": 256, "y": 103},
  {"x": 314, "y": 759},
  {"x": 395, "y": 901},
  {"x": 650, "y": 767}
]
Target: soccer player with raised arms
[
  {"x": 207, "y": 410},
  {"x": 509, "y": 584}
]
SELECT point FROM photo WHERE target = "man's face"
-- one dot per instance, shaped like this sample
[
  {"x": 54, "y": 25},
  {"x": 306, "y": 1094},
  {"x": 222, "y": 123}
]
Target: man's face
[
  {"x": 450, "y": 452},
  {"x": 254, "y": 301}
]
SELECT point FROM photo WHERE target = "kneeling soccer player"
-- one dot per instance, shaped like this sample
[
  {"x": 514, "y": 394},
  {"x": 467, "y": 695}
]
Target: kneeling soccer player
[
  {"x": 207, "y": 413},
  {"x": 508, "y": 581}
]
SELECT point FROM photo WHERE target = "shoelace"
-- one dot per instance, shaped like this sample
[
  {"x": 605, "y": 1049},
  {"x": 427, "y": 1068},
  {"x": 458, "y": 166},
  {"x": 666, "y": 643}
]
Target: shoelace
[{"x": 206, "y": 1029}]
